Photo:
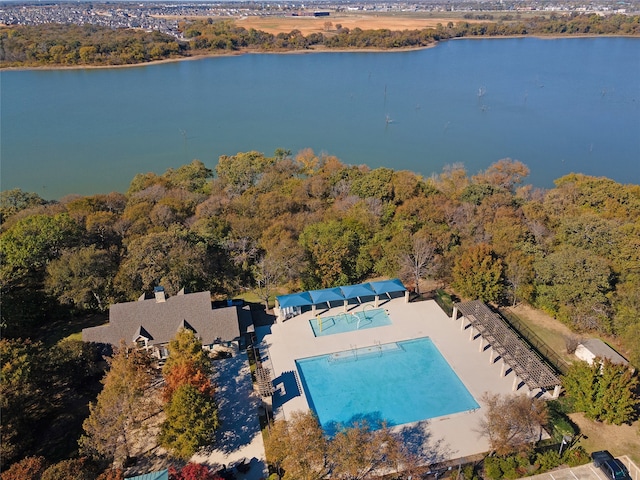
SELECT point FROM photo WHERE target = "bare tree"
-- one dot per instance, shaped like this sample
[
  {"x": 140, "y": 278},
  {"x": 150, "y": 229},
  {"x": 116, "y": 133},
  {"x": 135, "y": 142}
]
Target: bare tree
[
  {"x": 571, "y": 343},
  {"x": 267, "y": 273},
  {"x": 513, "y": 423},
  {"x": 419, "y": 262}
]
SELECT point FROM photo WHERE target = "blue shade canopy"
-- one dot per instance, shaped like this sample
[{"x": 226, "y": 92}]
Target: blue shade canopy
[
  {"x": 355, "y": 291},
  {"x": 295, "y": 300},
  {"x": 387, "y": 286},
  {"x": 326, "y": 295}
]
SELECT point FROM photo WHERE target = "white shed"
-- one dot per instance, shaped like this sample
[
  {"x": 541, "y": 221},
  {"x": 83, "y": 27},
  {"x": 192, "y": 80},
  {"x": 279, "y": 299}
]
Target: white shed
[{"x": 588, "y": 350}]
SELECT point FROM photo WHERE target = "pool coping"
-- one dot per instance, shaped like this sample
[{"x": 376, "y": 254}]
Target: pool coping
[{"x": 448, "y": 437}]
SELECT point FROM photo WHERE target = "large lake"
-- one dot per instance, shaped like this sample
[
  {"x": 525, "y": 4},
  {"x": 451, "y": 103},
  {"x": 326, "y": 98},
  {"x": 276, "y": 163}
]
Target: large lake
[{"x": 560, "y": 106}]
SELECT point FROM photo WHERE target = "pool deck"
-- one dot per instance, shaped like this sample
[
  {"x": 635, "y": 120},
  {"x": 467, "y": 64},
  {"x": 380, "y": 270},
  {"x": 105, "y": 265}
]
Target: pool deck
[{"x": 443, "y": 438}]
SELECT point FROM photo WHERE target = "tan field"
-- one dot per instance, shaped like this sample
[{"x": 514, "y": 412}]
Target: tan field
[{"x": 309, "y": 25}]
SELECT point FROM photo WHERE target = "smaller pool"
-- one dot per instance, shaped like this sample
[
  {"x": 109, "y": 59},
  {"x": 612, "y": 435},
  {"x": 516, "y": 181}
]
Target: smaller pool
[{"x": 349, "y": 322}]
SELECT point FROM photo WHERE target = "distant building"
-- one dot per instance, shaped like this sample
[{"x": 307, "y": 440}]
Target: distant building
[
  {"x": 151, "y": 323},
  {"x": 594, "y": 348}
]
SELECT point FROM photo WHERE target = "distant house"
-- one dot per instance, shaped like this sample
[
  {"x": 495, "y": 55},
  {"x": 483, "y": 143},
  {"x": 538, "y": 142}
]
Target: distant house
[
  {"x": 594, "y": 348},
  {"x": 151, "y": 323}
]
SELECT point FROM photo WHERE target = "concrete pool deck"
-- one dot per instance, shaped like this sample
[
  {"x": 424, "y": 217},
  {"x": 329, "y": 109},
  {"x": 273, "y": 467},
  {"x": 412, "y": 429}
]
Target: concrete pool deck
[{"x": 443, "y": 438}]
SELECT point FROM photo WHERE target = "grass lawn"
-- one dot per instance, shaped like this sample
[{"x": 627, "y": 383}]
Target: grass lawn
[{"x": 619, "y": 440}]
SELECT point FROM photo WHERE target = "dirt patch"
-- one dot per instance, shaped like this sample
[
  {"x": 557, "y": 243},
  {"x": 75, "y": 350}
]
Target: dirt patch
[
  {"x": 309, "y": 25},
  {"x": 618, "y": 439}
]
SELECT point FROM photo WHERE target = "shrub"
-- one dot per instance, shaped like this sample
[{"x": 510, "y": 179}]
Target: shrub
[
  {"x": 548, "y": 460},
  {"x": 492, "y": 468},
  {"x": 575, "y": 456}
]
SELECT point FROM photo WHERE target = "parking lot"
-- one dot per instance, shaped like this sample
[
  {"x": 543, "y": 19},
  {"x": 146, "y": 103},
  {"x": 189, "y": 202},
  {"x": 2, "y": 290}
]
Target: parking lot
[{"x": 587, "y": 472}]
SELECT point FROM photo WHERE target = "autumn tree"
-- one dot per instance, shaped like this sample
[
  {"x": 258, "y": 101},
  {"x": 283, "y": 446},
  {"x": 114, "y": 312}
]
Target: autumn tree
[
  {"x": 358, "y": 452},
  {"x": 109, "y": 430},
  {"x": 190, "y": 409},
  {"x": 71, "y": 469},
  {"x": 29, "y": 468},
  {"x": 478, "y": 273},
  {"x": 298, "y": 447},
  {"x": 187, "y": 364},
  {"x": 513, "y": 423},
  {"x": 193, "y": 471},
  {"x": 505, "y": 174},
  {"x": 604, "y": 391}
]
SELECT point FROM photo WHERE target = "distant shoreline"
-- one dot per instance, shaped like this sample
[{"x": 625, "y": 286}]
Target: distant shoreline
[{"x": 301, "y": 52}]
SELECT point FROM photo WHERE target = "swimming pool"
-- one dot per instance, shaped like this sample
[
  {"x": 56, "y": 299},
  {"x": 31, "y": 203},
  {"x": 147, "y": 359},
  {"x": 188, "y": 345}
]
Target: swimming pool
[
  {"x": 399, "y": 383},
  {"x": 350, "y": 321}
]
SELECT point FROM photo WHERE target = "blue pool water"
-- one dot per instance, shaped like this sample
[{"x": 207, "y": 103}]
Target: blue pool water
[
  {"x": 349, "y": 322},
  {"x": 398, "y": 383}
]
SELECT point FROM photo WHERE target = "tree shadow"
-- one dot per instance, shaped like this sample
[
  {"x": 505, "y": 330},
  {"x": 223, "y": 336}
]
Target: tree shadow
[
  {"x": 237, "y": 404},
  {"x": 425, "y": 449},
  {"x": 286, "y": 388}
]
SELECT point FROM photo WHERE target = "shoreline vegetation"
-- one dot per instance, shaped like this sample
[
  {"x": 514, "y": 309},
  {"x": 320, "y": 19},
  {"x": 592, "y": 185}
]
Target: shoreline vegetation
[{"x": 57, "y": 46}]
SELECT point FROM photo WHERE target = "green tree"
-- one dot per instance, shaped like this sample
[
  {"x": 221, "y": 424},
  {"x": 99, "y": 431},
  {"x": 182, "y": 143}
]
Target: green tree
[
  {"x": 29, "y": 244},
  {"x": 191, "y": 421},
  {"x": 194, "y": 177},
  {"x": 13, "y": 201},
  {"x": 109, "y": 430},
  {"x": 478, "y": 273},
  {"x": 604, "y": 391},
  {"x": 172, "y": 259},
  {"x": 241, "y": 171},
  {"x": 82, "y": 277},
  {"x": 333, "y": 249},
  {"x": 21, "y": 383},
  {"x": 573, "y": 284}
]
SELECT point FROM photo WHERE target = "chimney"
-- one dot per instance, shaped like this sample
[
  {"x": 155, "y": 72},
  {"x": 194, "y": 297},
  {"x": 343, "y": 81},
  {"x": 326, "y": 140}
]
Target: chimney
[{"x": 159, "y": 293}]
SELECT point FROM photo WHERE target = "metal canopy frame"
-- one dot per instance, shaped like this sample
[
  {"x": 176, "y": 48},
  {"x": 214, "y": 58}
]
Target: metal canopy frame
[{"x": 516, "y": 353}]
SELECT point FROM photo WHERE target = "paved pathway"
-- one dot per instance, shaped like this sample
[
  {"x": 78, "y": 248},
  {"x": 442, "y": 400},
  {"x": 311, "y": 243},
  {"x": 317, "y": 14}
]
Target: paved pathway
[{"x": 239, "y": 436}]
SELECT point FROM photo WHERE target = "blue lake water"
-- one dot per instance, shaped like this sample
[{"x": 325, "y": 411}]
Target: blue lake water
[
  {"x": 401, "y": 383},
  {"x": 557, "y": 105}
]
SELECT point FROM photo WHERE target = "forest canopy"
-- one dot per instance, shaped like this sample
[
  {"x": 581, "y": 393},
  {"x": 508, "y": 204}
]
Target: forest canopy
[
  {"x": 310, "y": 221},
  {"x": 69, "y": 45}
]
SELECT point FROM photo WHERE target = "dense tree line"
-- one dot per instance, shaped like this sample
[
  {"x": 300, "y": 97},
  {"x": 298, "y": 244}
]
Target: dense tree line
[
  {"x": 61, "y": 45},
  {"x": 311, "y": 221},
  {"x": 68, "y": 45}
]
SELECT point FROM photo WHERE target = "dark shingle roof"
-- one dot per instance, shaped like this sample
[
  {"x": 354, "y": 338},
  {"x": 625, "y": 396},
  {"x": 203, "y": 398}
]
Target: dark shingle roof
[{"x": 159, "y": 321}]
